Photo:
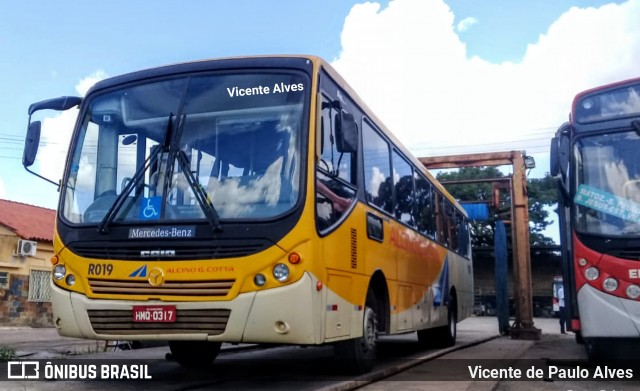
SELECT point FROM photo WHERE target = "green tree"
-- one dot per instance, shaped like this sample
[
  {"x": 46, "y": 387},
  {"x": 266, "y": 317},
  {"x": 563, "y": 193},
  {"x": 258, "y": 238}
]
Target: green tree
[{"x": 541, "y": 193}]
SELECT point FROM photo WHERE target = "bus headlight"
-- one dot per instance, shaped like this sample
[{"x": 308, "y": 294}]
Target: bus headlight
[
  {"x": 582, "y": 262},
  {"x": 259, "y": 279},
  {"x": 59, "y": 272},
  {"x": 633, "y": 291},
  {"x": 610, "y": 284},
  {"x": 70, "y": 280},
  {"x": 591, "y": 273},
  {"x": 281, "y": 272}
]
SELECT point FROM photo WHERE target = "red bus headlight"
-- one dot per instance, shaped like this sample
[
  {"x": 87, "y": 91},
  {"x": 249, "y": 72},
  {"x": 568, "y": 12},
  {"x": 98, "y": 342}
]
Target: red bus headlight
[
  {"x": 633, "y": 291},
  {"x": 591, "y": 273},
  {"x": 610, "y": 284}
]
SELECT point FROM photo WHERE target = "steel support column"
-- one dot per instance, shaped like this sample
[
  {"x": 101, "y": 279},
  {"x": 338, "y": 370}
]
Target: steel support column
[{"x": 523, "y": 327}]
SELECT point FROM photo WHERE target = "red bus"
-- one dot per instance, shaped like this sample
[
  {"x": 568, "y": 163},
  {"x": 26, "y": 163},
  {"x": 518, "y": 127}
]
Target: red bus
[{"x": 596, "y": 158}]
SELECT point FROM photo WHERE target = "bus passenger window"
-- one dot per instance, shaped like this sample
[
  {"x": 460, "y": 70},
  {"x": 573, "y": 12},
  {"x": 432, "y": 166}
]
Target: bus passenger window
[
  {"x": 424, "y": 209},
  {"x": 403, "y": 185},
  {"x": 452, "y": 232},
  {"x": 441, "y": 220},
  {"x": 377, "y": 170}
]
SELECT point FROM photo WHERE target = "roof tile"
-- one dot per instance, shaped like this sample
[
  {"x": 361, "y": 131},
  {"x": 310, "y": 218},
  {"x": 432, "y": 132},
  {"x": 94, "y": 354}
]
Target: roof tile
[{"x": 28, "y": 221}]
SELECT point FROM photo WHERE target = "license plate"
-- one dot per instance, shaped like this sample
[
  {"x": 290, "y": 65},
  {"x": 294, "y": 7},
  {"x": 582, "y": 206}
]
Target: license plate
[{"x": 154, "y": 313}]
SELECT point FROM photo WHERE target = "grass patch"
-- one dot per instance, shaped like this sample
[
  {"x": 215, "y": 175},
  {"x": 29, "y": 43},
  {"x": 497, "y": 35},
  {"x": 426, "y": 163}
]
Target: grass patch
[{"x": 7, "y": 353}]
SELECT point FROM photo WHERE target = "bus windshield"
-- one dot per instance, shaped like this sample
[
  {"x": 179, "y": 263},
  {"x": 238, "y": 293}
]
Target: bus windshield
[
  {"x": 607, "y": 197},
  {"x": 146, "y": 152}
]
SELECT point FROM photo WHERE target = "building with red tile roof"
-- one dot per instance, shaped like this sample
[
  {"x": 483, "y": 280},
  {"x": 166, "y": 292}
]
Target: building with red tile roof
[
  {"x": 25, "y": 276},
  {"x": 28, "y": 221}
]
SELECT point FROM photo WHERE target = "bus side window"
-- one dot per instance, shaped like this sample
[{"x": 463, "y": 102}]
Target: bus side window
[
  {"x": 334, "y": 170},
  {"x": 424, "y": 212},
  {"x": 333, "y": 162},
  {"x": 377, "y": 170},
  {"x": 441, "y": 220},
  {"x": 404, "y": 192},
  {"x": 452, "y": 232}
]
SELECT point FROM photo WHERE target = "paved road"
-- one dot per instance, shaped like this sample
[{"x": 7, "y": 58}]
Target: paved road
[{"x": 314, "y": 368}]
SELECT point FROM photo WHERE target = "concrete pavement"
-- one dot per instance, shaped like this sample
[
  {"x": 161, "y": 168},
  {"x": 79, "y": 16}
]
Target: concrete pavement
[{"x": 420, "y": 374}]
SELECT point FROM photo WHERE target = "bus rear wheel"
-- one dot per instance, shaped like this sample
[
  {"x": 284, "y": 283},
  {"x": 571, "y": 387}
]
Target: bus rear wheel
[
  {"x": 443, "y": 336},
  {"x": 358, "y": 354},
  {"x": 194, "y": 354}
]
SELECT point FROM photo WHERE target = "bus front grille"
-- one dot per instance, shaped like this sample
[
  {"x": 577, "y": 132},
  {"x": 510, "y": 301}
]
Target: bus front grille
[
  {"x": 168, "y": 288},
  {"x": 196, "y": 321},
  {"x": 182, "y": 250}
]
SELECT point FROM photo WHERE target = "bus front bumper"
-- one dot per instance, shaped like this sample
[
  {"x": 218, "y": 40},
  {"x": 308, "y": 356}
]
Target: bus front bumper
[
  {"x": 288, "y": 315},
  {"x": 604, "y": 315}
]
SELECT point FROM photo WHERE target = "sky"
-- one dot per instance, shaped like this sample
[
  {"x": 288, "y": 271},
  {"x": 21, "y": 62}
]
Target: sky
[{"x": 446, "y": 76}]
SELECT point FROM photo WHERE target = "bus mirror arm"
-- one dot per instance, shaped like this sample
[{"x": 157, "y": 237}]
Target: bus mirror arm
[{"x": 562, "y": 186}]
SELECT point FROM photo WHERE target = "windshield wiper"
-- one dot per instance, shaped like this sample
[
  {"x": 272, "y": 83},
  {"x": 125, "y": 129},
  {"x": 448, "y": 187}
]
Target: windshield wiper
[
  {"x": 137, "y": 176},
  {"x": 201, "y": 195},
  {"x": 175, "y": 153},
  {"x": 171, "y": 147}
]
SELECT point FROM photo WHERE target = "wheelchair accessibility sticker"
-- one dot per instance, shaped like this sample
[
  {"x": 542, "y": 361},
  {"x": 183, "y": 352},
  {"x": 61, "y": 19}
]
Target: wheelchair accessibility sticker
[{"x": 150, "y": 208}]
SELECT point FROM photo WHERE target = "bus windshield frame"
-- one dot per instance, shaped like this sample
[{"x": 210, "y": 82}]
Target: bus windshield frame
[
  {"x": 607, "y": 184},
  {"x": 167, "y": 149}
]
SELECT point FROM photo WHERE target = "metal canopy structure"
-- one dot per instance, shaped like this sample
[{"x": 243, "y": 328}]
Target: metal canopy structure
[{"x": 523, "y": 327}]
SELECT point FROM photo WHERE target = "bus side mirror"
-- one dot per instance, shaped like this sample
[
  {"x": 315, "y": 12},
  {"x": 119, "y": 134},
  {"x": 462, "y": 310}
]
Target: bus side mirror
[
  {"x": 31, "y": 143},
  {"x": 346, "y": 133},
  {"x": 554, "y": 157}
]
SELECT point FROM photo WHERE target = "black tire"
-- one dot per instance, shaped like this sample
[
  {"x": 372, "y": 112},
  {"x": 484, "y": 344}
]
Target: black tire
[
  {"x": 449, "y": 333},
  {"x": 444, "y": 336},
  {"x": 593, "y": 349},
  {"x": 357, "y": 355},
  {"x": 194, "y": 354}
]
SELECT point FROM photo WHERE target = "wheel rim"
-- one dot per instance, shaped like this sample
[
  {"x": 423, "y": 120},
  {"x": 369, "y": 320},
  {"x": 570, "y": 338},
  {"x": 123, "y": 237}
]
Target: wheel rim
[
  {"x": 452, "y": 324},
  {"x": 370, "y": 331}
]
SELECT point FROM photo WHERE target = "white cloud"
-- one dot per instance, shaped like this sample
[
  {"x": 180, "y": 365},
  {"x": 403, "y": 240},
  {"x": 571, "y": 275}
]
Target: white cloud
[
  {"x": 56, "y": 133},
  {"x": 83, "y": 85},
  {"x": 410, "y": 66},
  {"x": 466, "y": 23}
]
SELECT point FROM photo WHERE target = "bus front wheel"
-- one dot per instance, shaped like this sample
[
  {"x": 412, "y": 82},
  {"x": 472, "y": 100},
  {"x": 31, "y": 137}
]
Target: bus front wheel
[
  {"x": 194, "y": 354},
  {"x": 358, "y": 354},
  {"x": 593, "y": 349}
]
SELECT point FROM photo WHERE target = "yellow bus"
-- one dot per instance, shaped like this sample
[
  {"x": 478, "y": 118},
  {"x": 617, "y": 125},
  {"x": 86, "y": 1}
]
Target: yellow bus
[{"x": 249, "y": 200}]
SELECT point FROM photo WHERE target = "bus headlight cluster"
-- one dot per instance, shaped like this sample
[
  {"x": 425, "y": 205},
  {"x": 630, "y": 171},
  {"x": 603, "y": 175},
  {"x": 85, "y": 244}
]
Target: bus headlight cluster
[
  {"x": 591, "y": 273},
  {"x": 59, "y": 271},
  {"x": 70, "y": 280},
  {"x": 259, "y": 279},
  {"x": 633, "y": 291},
  {"x": 281, "y": 272},
  {"x": 610, "y": 284}
]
